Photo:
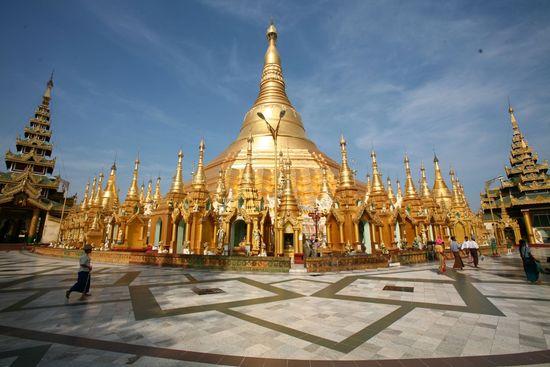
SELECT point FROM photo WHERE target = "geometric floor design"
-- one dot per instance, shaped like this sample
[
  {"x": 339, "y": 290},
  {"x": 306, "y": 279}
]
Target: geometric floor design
[{"x": 144, "y": 316}]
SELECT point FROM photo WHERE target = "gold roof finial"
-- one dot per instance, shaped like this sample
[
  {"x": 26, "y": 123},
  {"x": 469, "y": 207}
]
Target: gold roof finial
[
  {"x": 177, "y": 181},
  {"x": 346, "y": 178},
  {"x": 133, "y": 190},
  {"x": 92, "y": 193},
  {"x": 199, "y": 179},
  {"x": 399, "y": 195},
  {"x": 158, "y": 196},
  {"x": 369, "y": 188},
  {"x": 247, "y": 178},
  {"x": 440, "y": 190},
  {"x": 513, "y": 120},
  {"x": 410, "y": 190},
  {"x": 424, "y": 188},
  {"x": 391, "y": 195},
  {"x": 84, "y": 204},
  {"x": 457, "y": 200},
  {"x": 288, "y": 200},
  {"x": 110, "y": 196},
  {"x": 99, "y": 191},
  {"x": 272, "y": 85},
  {"x": 325, "y": 189},
  {"x": 149, "y": 196},
  {"x": 377, "y": 185},
  {"x": 142, "y": 193}
]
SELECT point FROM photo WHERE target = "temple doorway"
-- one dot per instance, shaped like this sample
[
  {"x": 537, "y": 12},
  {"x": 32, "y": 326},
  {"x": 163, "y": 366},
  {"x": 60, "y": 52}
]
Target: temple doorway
[
  {"x": 459, "y": 232},
  {"x": 180, "y": 234},
  {"x": 364, "y": 236},
  {"x": 238, "y": 232},
  {"x": 267, "y": 236},
  {"x": 158, "y": 232}
]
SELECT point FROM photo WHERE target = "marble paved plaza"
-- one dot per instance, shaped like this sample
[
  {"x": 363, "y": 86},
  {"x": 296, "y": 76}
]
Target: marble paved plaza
[{"x": 150, "y": 316}]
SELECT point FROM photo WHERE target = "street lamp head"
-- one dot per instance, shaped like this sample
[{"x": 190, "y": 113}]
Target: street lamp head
[{"x": 261, "y": 115}]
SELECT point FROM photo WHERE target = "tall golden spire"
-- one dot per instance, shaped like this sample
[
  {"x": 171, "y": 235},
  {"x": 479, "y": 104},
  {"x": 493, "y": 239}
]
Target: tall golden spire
[
  {"x": 410, "y": 190},
  {"x": 149, "y": 195},
  {"x": 99, "y": 191},
  {"x": 133, "y": 190},
  {"x": 440, "y": 191},
  {"x": 177, "y": 181},
  {"x": 199, "y": 179},
  {"x": 377, "y": 186},
  {"x": 424, "y": 188},
  {"x": 247, "y": 178},
  {"x": 457, "y": 200},
  {"x": 288, "y": 200},
  {"x": 391, "y": 195},
  {"x": 84, "y": 204},
  {"x": 158, "y": 196},
  {"x": 346, "y": 179},
  {"x": 513, "y": 121},
  {"x": 272, "y": 85},
  {"x": 92, "y": 193},
  {"x": 110, "y": 196}
]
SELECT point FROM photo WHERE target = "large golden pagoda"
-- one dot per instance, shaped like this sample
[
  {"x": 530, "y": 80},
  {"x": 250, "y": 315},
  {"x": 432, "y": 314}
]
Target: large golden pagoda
[
  {"x": 520, "y": 206},
  {"x": 231, "y": 204}
]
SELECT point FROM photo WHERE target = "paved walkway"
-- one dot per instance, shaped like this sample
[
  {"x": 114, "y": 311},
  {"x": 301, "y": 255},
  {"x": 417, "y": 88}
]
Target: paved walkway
[{"x": 148, "y": 316}]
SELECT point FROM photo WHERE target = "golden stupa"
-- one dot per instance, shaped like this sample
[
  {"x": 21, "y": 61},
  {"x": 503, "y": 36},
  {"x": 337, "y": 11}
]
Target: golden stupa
[{"x": 229, "y": 206}]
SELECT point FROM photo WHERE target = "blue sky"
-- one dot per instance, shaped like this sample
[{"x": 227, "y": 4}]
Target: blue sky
[{"x": 402, "y": 76}]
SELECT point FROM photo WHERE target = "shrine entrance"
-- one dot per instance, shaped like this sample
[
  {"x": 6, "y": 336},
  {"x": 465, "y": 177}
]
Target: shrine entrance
[
  {"x": 180, "y": 234},
  {"x": 238, "y": 232},
  {"x": 267, "y": 236},
  {"x": 364, "y": 236}
]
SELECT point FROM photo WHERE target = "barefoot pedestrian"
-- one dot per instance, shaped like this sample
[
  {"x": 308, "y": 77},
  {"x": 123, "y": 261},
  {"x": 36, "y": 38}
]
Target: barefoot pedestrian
[
  {"x": 82, "y": 285},
  {"x": 455, "y": 249},
  {"x": 530, "y": 265},
  {"x": 440, "y": 252}
]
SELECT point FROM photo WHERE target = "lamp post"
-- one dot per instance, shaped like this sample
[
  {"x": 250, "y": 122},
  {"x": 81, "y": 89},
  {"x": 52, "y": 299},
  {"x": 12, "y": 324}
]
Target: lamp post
[
  {"x": 316, "y": 216},
  {"x": 274, "y": 134},
  {"x": 487, "y": 184}
]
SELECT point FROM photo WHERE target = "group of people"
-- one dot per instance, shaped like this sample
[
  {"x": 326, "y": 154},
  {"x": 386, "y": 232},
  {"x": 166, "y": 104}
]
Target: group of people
[{"x": 469, "y": 246}]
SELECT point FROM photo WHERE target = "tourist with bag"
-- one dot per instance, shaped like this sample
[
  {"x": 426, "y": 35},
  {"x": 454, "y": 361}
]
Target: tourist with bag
[{"x": 82, "y": 284}]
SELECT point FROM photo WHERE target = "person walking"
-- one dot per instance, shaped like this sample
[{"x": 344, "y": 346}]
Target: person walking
[
  {"x": 466, "y": 248},
  {"x": 474, "y": 247},
  {"x": 440, "y": 253},
  {"x": 82, "y": 284},
  {"x": 455, "y": 249},
  {"x": 530, "y": 264}
]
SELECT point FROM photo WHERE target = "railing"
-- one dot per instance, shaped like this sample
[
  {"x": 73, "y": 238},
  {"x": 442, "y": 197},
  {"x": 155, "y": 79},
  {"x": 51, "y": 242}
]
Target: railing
[
  {"x": 343, "y": 263},
  {"x": 236, "y": 263}
]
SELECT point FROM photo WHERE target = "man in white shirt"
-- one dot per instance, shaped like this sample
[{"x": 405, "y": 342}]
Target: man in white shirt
[
  {"x": 82, "y": 284},
  {"x": 473, "y": 247}
]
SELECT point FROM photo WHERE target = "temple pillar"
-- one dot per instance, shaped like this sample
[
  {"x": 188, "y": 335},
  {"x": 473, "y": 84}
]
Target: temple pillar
[
  {"x": 528, "y": 225},
  {"x": 381, "y": 236},
  {"x": 296, "y": 245},
  {"x": 34, "y": 224},
  {"x": 356, "y": 228},
  {"x": 200, "y": 239},
  {"x": 341, "y": 228},
  {"x": 255, "y": 244}
]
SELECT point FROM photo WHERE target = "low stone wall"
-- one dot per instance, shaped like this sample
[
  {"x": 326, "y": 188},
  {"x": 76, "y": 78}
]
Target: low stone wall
[
  {"x": 343, "y": 263},
  {"x": 236, "y": 263}
]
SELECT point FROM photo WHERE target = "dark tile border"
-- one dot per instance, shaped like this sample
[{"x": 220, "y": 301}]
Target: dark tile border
[{"x": 514, "y": 359}]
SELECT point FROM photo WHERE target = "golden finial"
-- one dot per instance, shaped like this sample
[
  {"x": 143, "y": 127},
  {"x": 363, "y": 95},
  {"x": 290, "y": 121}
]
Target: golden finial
[
  {"x": 247, "y": 178},
  {"x": 369, "y": 188},
  {"x": 325, "y": 189},
  {"x": 110, "y": 196},
  {"x": 133, "y": 191},
  {"x": 399, "y": 195},
  {"x": 346, "y": 178},
  {"x": 410, "y": 190},
  {"x": 48, "y": 92},
  {"x": 158, "y": 196},
  {"x": 177, "y": 182},
  {"x": 424, "y": 188},
  {"x": 149, "y": 196},
  {"x": 272, "y": 84},
  {"x": 84, "y": 204},
  {"x": 456, "y": 190},
  {"x": 288, "y": 200},
  {"x": 440, "y": 190},
  {"x": 92, "y": 193},
  {"x": 389, "y": 188},
  {"x": 142, "y": 193},
  {"x": 99, "y": 191},
  {"x": 199, "y": 178},
  {"x": 377, "y": 185}
]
